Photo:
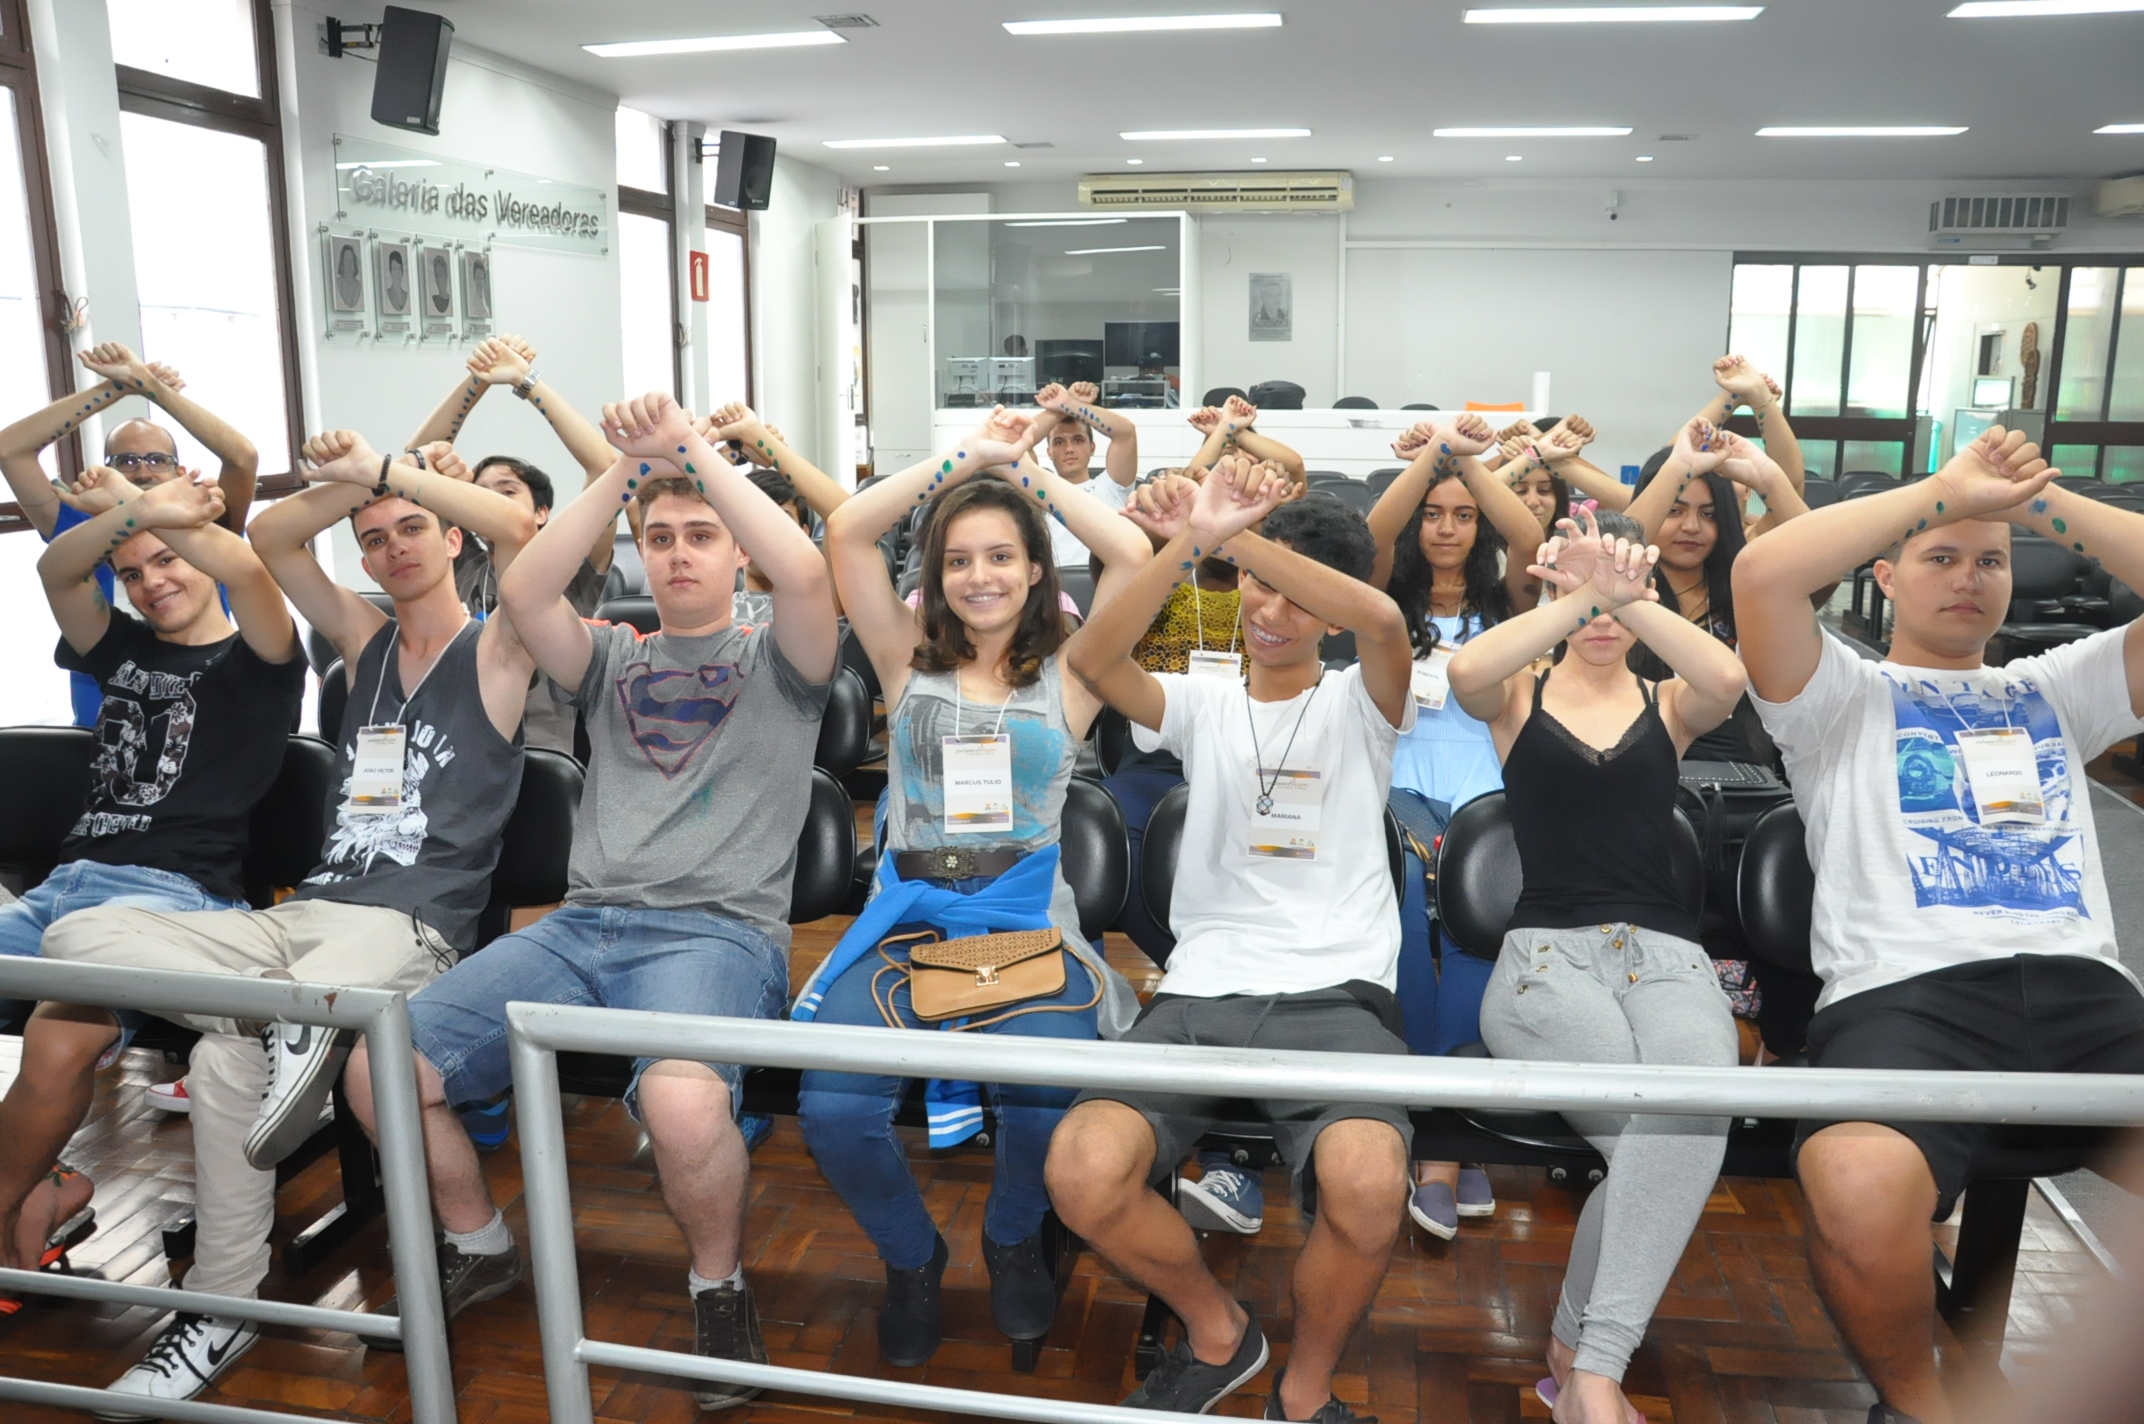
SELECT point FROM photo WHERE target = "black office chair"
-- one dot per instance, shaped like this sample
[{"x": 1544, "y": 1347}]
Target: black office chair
[
  {"x": 637, "y": 610},
  {"x": 334, "y": 697},
  {"x": 1478, "y": 880},
  {"x": 1419, "y": 405},
  {"x": 1337, "y": 650},
  {"x": 319, "y": 652},
  {"x": 536, "y": 844},
  {"x": 1354, "y": 403},
  {"x": 1112, "y": 739},
  {"x": 845, "y": 729},
  {"x": 1381, "y": 480},
  {"x": 46, "y": 773},
  {"x": 826, "y": 852},
  {"x": 1857, "y": 484},
  {"x": 2110, "y": 493},
  {"x": 1078, "y": 580},
  {"x": 289, "y": 824},
  {"x": 2080, "y": 484},
  {"x": 1219, "y": 395},
  {"x": 2042, "y": 574},
  {"x": 1164, "y": 838},
  {"x": 1820, "y": 494},
  {"x": 628, "y": 576},
  {"x": 1276, "y": 395},
  {"x": 1355, "y": 494},
  {"x": 1094, "y": 854}
]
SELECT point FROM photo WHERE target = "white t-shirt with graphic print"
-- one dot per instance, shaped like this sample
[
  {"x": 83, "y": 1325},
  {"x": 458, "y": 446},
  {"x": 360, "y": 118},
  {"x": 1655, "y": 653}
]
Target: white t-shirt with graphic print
[{"x": 1908, "y": 880}]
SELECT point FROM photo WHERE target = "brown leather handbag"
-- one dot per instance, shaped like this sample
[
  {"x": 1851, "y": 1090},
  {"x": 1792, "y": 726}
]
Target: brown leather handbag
[{"x": 963, "y": 978}]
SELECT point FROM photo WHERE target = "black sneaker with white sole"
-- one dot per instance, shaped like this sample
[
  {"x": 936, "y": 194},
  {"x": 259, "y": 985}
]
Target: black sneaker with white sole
[
  {"x": 1332, "y": 1411},
  {"x": 726, "y": 1327},
  {"x": 465, "y": 1279},
  {"x": 1182, "y": 1383},
  {"x": 303, "y": 1060},
  {"x": 193, "y": 1350}
]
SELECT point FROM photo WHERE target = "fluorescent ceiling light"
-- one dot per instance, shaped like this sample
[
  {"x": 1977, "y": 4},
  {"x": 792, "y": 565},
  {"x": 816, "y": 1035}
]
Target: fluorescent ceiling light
[
  {"x": 1135, "y": 162},
  {"x": 1070, "y": 222},
  {"x": 1529, "y": 133},
  {"x": 633, "y": 49},
  {"x": 1096, "y": 251},
  {"x": 1171, "y": 135},
  {"x": 2014, "y": 9},
  {"x": 1130, "y": 24},
  {"x": 1612, "y": 14},
  {"x": 1012, "y": 163},
  {"x": 2103, "y": 128},
  {"x": 1645, "y": 158},
  {"x": 955, "y": 141},
  {"x": 1860, "y": 131},
  {"x": 881, "y": 168},
  {"x": 1384, "y": 158}
]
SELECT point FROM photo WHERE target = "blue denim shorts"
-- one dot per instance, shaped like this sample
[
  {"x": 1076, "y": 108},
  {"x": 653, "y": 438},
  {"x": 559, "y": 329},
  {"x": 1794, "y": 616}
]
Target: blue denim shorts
[
  {"x": 674, "y": 961},
  {"x": 88, "y": 885}
]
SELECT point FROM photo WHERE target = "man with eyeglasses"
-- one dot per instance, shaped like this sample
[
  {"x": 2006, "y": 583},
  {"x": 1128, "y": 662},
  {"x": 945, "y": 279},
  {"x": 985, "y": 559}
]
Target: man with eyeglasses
[{"x": 145, "y": 452}]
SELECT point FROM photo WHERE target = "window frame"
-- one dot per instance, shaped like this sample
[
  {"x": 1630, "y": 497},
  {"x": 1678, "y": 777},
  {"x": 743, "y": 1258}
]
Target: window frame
[
  {"x": 1838, "y": 430},
  {"x": 182, "y": 101}
]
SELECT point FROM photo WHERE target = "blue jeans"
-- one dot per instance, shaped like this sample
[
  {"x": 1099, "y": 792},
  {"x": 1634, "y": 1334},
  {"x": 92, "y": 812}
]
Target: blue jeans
[
  {"x": 1440, "y": 986},
  {"x": 86, "y": 885},
  {"x": 675, "y": 961},
  {"x": 848, "y": 1124},
  {"x": 1139, "y": 784}
]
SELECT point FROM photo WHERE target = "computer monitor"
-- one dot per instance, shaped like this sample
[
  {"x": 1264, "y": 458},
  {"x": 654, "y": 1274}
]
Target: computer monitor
[
  {"x": 1066, "y": 361},
  {"x": 1139, "y": 343},
  {"x": 1991, "y": 392}
]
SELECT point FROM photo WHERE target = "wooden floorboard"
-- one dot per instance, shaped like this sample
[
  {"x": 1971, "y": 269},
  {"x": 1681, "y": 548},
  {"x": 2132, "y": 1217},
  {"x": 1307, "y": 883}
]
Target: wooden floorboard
[{"x": 1456, "y": 1335}]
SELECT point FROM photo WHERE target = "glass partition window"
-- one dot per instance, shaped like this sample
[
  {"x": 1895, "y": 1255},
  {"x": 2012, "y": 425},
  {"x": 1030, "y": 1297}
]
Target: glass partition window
[
  {"x": 201, "y": 41},
  {"x": 644, "y": 304},
  {"x": 1762, "y": 306},
  {"x": 728, "y": 345},
  {"x": 1819, "y": 341},
  {"x": 24, "y": 382},
  {"x": 1022, "y": 302},
  {"x": 1879, "y": 366},
  {"x": 640, "y": 152},
  {"x": 208, "y": 290},
  {"x": 2091, "y": 328},
  {"x": 1886, "y": 457},
  {"x": 2125, "y": 390}
]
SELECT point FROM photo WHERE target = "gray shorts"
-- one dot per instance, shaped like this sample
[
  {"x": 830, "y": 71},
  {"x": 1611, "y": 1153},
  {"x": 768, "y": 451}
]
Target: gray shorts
[{"x": 1323, "y": 1020}]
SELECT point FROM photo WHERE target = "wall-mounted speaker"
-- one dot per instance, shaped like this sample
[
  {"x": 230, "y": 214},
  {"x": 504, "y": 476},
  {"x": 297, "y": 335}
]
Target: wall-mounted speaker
[
  {"x": 412, "y": 74},
  {"x": 744, "y": 174}
]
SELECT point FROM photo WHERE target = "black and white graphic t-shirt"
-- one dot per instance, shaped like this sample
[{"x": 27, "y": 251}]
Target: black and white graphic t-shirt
[
  {"x": 187, "y": 740},
  {"x": 433, "y": 854}
]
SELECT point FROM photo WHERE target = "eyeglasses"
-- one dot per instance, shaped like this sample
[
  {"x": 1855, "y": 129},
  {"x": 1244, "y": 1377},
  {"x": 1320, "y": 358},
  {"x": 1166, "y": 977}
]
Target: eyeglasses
[{"x": 155, "y": 460}]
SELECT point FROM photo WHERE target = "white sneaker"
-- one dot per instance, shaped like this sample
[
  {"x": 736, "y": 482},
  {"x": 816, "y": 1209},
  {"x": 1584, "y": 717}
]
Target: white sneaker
[
  {"x": 193, "y": 1350},
  {"x": 303, "y": 1060},
  {"x": 170, "y": 1097}
]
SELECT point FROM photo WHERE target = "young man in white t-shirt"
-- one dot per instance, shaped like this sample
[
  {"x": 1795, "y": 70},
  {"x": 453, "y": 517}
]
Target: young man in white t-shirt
[
  {"x": 1071, "y": 418},
  {"x": 1961, "y": 917},
  {"x": 1286, "y": 923}
]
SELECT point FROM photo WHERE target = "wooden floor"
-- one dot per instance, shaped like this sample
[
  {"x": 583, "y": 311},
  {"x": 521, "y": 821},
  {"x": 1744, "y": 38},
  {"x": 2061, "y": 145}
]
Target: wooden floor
[{"x": 1457, "y": 1332}]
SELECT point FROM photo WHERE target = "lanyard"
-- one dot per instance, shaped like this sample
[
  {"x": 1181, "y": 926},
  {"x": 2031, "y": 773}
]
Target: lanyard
[
  {"x": 1265, "y": 788},
  {"x": 959, "y": 701},
  {"x": 372, "y": 715}
]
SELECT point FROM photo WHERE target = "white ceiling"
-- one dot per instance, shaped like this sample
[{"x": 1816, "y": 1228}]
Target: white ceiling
[{"x": 1373, "y": 77}]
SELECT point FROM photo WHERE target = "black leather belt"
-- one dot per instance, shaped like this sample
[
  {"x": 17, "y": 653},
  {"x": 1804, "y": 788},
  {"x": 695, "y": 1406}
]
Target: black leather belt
[{"x": 955, "y": 864}]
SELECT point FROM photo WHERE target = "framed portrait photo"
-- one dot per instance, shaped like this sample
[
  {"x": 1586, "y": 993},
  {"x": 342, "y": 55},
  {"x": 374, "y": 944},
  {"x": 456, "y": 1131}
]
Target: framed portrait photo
[
  {"x": 435, "y": 292},
  {"x": 476, "y": 293},
  {"x": 343, "y": 285},
  {"x": 394, "y": 286}
]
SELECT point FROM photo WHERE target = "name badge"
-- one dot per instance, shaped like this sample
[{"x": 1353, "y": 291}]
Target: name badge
[
  {"x": 1432, "y": 679},
  {"x": 376, "y": 770},
  {"x": 978, "y": 784},
  {"x": 1211, "y": 662},
  {"x": 2004, "y": 775},
  {"x": 1284, "y": 820}
]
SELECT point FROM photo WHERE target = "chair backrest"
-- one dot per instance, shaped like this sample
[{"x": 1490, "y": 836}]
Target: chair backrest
[
  {"x": 2126, "y": 605},
  {"x": 826, "y": 852},
  {"x": 2101, "y": 490},
  {"x": 1418, "y": 405},
  {"x": 845, "y": 729},
  {"x": 2041, "y": 568},
  {"x": 1479, "y": 877},
  {"x": 537, "y": 844},
  {"x": 1381, "y": 480},
  {"x": 289, "y": 824},
  {"x": 628, "y": 576},
  {"x": 1219, "y": 395},
  {"x": 1112, "y": 738},
  {"x": 1775, "y": 888},
  {"x": 1820, "y": 494},
  {"x": 636, "y": 609},
  {"x": 1094, "y": 853},
  {"x": 334, "y": 696},
  {"x": 1354, "y": 403},
  {"x": 1164, "y": 838},
  {"x": 856, "y": 660},
  {"x": 1853, "y": 483},
  {"x": 1355, "y": 494},
  {"x": 46, "y": 773},
  {"x": 1276, "y": 395},
  {"x": 1078, "y": 580},
  {"x": 1337, "y": 650}
]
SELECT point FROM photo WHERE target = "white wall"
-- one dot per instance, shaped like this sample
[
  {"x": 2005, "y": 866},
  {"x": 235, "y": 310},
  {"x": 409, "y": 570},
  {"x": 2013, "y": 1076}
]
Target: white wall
[
  {"x": 785, "y": 326},
  {"x": 1308, "y": 250},
  {"x": 496, "y": 112}
]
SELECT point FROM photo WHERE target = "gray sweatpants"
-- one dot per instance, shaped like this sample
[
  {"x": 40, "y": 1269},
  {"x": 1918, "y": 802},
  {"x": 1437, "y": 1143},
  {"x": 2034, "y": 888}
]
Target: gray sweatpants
[{"x": 1619, "y": 994}]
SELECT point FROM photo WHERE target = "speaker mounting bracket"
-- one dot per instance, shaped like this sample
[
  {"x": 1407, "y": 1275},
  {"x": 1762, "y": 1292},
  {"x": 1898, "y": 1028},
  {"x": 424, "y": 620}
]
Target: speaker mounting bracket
[{"x": 338, "y": 37}]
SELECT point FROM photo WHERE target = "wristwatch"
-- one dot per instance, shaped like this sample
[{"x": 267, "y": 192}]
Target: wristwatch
[{"x": 526, "y": 384}]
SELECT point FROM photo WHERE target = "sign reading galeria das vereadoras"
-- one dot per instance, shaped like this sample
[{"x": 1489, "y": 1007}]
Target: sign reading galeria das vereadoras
[{"x": 433, "y": 195}]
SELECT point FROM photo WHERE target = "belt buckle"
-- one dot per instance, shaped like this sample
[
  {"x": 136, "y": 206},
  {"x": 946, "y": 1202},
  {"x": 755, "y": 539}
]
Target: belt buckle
[{"x": 955, "y": 864}]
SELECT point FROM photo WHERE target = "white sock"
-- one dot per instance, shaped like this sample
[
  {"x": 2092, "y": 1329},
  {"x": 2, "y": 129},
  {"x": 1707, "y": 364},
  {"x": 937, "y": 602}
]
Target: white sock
[
  {"x": 695, "y": 1282},
  {"x": 491, "y": 1239}
]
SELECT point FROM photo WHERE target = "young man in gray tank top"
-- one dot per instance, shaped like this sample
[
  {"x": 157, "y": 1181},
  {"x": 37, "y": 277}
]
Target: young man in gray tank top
[
  {"x": 700, "y": 738},
  {"x": 431, "y": 767}
]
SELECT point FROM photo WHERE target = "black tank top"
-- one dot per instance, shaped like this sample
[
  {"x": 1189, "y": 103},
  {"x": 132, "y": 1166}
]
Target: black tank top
[{"x": 1594, "y": 828}]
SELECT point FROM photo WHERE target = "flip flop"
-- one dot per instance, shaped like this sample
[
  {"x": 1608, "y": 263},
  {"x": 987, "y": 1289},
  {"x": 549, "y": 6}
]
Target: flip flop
[
  {"x": 1545, "y": 1390},
  {"x": 64, "y": 1238}
]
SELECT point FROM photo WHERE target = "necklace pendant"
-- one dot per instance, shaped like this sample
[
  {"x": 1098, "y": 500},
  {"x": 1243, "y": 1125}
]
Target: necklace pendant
[{"x": 1265, "y": 805}]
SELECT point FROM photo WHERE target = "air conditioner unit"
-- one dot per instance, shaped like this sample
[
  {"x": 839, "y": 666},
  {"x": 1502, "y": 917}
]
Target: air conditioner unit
[
  {"x": 1995, "y": 221},
  {"x": 2121, "y": 197},
  {"x": 1221, "y": 192}
]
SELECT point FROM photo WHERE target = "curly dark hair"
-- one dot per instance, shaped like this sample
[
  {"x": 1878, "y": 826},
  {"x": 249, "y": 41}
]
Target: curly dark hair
[
  {"x": 1485, "y": 595},
  {"x": 1318, "y": 526},
  {"x": 1041, "y": 632}
]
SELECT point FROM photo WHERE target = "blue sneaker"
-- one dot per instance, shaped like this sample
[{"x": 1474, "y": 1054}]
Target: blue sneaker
[
  {"x": 486, "y": 1123},
  {"x": 757, "y": 1128},
  {"x": 1434, "y": 1209},
  {"x": 1223, "y": 1199},
  {"x": 1476, "y": 1197}
]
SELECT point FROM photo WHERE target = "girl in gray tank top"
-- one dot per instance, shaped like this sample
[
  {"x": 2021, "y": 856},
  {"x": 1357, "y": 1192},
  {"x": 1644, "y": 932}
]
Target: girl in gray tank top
[{"x": 982, "y": 735}]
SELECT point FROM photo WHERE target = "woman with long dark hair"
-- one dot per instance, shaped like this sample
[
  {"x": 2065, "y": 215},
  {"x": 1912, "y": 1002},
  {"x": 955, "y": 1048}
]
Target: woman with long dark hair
[
  {"x": 982, "y": 731},
  {"x": 1600, "y": 962},
  {"x": 1443, "y": 531}
]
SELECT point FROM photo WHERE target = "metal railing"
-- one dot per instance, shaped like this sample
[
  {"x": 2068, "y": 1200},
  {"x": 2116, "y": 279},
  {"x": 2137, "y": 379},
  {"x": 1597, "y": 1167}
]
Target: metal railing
[
  {"x": 538, "y": 1032},
  {"x": 383, "y": 1018}
]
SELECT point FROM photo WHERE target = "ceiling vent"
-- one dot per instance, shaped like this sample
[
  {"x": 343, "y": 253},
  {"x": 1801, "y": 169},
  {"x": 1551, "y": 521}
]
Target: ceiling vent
[
  {"x": 1998, "y": 220},
  {"x": 2121, "y": 197},
  {"x": 1221, "y": 192},
  {"x": 847, "y": 22}
]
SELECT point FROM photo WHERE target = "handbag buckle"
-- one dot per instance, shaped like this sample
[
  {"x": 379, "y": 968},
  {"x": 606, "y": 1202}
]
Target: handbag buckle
[
  {"x": 986, "y": 975},
  {"x": 955, "y": 864}
]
